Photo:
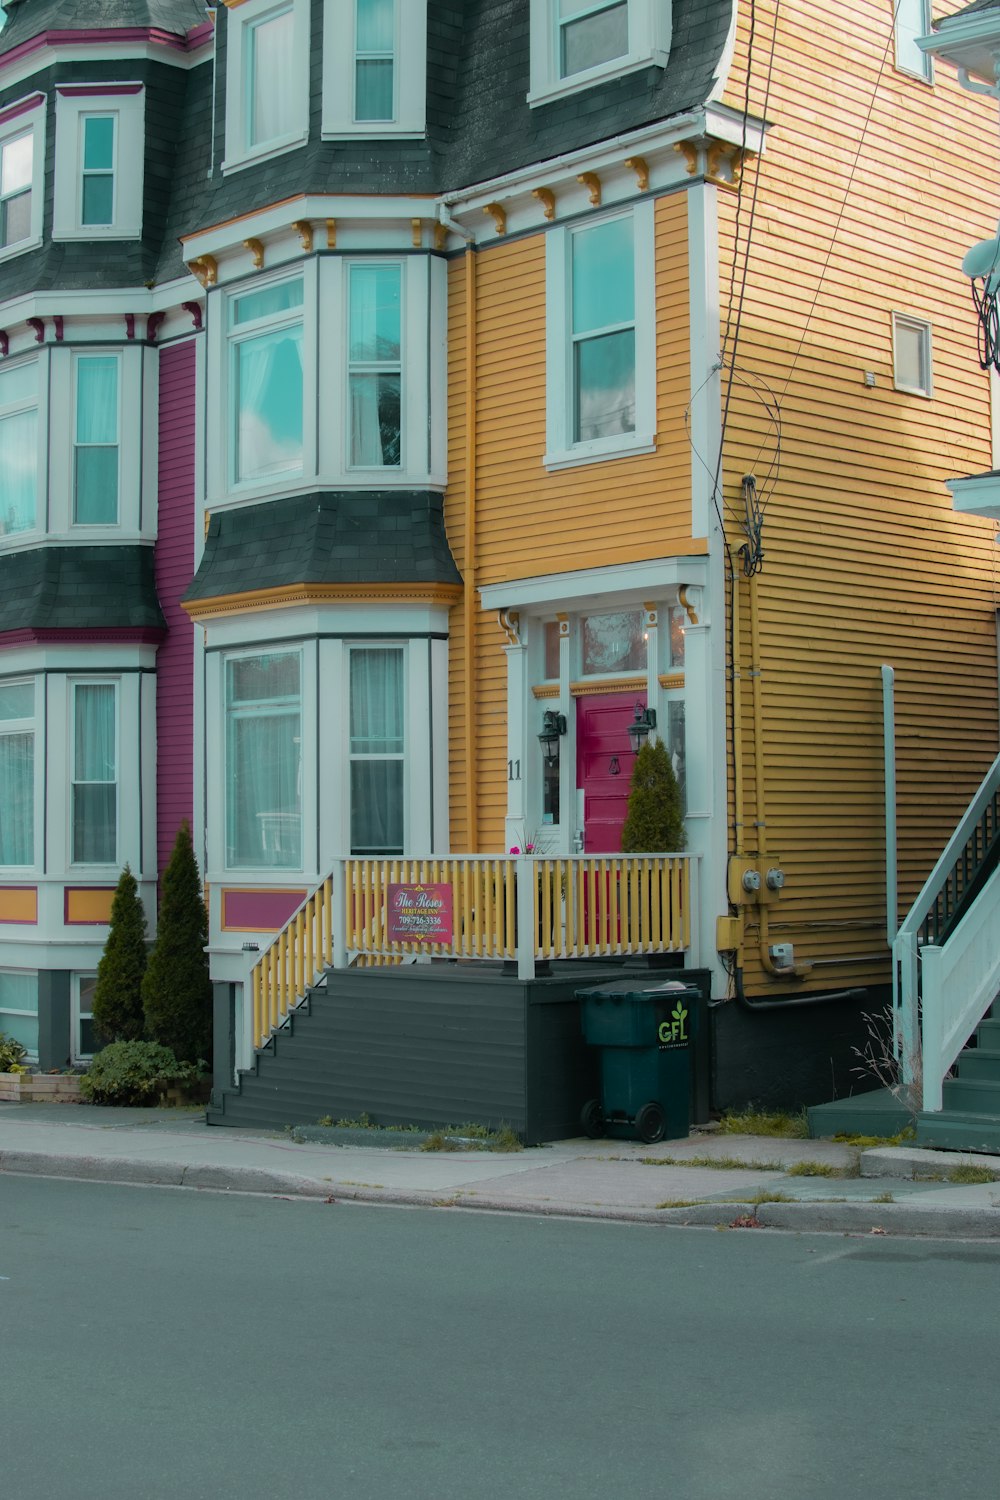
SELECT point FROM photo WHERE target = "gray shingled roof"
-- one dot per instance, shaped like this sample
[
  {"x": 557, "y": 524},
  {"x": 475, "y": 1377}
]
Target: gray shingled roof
[
  {"x": 967, "y": 10},
  {"x": 352, "y": 536},
  {"x": 28, "y": 18},
  {"x": 78, "y": 588}
]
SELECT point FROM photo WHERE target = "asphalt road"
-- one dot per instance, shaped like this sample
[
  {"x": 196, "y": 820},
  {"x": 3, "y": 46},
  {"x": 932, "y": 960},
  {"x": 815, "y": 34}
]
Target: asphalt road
[{"x": 161, "y": 1343}]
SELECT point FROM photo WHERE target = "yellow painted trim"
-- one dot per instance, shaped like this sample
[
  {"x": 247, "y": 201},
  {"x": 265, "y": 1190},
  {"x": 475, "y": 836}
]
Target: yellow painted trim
[
  {"x": 590, "y": 688},
  {"x": 253, "y": 213},
  {"x": 546, "y": 690},
  {"x": 324, "y": 593},
  {"x": 19, "y": 904},
  {"x": 469, "y": 725},
  {"x": 671, "y": 679},
  {"x": 88, "y": 905}
]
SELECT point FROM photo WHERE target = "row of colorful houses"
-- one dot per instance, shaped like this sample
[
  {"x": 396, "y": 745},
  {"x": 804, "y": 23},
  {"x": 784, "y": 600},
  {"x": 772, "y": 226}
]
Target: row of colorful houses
[{"x": 384, "y": 384}]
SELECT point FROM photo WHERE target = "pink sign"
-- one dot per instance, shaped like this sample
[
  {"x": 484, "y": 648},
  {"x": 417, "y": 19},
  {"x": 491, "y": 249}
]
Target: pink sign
[{"x": 420, "y": 914}]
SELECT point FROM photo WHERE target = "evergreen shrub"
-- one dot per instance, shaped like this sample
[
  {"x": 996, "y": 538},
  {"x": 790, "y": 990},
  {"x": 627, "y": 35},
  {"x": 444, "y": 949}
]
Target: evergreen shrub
[
  {"x": 117, "y": 999},
  {"x": 176, "y": 990},
  {"x": 133, "y": 1073},
  {"x": 655, "y": 821}
]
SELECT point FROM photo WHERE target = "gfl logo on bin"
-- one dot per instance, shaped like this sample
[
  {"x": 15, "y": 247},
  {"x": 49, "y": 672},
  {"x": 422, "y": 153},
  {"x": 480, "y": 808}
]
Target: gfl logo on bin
[{"x": 674, "y": 1030}]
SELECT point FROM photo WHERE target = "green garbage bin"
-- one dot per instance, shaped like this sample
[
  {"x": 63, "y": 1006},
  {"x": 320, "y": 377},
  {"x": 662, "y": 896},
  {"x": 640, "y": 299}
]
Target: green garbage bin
[{"x": 645, "y": 1036}]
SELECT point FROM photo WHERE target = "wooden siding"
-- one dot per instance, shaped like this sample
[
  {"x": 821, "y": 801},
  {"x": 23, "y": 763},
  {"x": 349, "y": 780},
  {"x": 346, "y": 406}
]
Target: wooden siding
[
  {"x": 530, "y": 521},
  {"x": 174, "y": 567},
  {"x": 865, "y": 561}
]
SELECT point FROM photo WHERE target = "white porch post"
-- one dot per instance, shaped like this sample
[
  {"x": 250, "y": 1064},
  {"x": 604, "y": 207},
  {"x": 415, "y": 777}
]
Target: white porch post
[
  {"x": 515, "y": 829},
  {"x": 525, "y": 871}
]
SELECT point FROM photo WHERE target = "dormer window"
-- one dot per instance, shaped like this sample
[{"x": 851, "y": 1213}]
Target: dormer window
[
  {"x": 22, "y": 158},
  {"x": 99, "y": 161},
  {"x": 577, "y": 43},
  {"x": 374, "y": 67},
  {"x": 267, "y": 79}
]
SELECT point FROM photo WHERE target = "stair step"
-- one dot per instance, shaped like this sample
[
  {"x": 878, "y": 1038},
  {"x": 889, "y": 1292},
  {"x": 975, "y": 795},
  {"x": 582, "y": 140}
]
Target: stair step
[
  {"x": 972, "y": 1096},
  {"x": 952, "y": 1130},
  {"x": 980, "y": 1062},
  {"x": 988, "y": 1033}
]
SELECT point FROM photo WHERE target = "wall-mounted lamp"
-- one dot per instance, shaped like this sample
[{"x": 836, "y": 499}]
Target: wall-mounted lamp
[
  {"x": 553, "y": 726},
  {"x": 643, "y": 723}
]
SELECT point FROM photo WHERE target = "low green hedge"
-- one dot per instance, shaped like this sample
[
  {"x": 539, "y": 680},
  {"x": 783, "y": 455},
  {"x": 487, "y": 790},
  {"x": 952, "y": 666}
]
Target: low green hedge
[{"x": 134, "y": 1073}]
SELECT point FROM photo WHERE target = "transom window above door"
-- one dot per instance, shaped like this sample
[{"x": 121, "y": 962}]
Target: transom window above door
[{"x": 613, "y": 643}]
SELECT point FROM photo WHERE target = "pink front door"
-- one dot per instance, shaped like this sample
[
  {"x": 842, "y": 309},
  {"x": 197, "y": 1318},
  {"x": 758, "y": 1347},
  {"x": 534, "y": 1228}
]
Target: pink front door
[{"x": 604, "y": 767}]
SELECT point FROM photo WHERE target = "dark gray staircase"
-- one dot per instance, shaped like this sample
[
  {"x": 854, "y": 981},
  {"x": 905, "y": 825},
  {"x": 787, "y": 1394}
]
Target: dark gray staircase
[{"x": 970, "y": 1117}]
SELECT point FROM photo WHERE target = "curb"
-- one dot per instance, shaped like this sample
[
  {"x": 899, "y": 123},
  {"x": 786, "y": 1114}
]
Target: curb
[{"x": 937, "y": 1221}]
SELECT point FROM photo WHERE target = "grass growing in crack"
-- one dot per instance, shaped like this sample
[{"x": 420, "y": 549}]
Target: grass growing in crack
[
  {"x": 884, "y": 1198},
  {"x": 473, "y": 1138},
  {"x": 760, "y": 1122},
  {"x": 867, "y": 1142},
  {"x": 713, "y": 1163},
  {"x": 968, "y": 1172},
  {"x": 680, "y": 1203},
  {"x": 766, "y": 1195},
  {"x": 821, "y": 1169}
]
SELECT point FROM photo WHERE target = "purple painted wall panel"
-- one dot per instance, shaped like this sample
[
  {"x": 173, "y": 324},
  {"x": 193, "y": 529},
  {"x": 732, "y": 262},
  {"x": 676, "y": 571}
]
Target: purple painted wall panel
[{"x": 174, "y": 568}]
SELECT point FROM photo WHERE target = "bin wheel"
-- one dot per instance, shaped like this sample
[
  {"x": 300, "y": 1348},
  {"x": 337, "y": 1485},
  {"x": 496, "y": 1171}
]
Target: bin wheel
[
  {"x": 592, "y": 1120},
  {"x": 650, "y": 1122}
]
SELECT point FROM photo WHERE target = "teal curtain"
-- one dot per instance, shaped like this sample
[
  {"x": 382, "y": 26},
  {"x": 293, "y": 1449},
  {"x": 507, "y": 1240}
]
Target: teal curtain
[{"x": 95, "y": 788}]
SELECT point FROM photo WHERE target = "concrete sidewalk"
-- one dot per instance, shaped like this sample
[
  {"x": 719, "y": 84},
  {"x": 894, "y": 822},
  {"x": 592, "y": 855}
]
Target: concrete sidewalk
[{"x": 708, "y": 1179}]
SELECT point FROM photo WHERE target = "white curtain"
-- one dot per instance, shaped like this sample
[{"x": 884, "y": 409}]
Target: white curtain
[
  {"x": 272, "y": 85},
  {"x": 95, "y": 776},
  {"x": 18, "y": 472},
  {"x": 269, "y": 403},
  {"x": 265, "y": 816},
  {"x": 17, "y": 799},
  {"x": 376, "y": 719},
  {"x": 96, "y": 498}
]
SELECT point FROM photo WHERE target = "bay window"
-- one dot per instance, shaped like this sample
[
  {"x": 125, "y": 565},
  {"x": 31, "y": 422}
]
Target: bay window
[
  {"x": 17, "y": 773},
  {"x": 377, "y": 738},
  {"x": 266, "y": 382},
  {"x": 375, "y": 378},
  {"x": 95, "y": 774},
  {"x": 263, "y": 777},
  {"x": 19, "y": 444},
  {"x": 601, "y": 382},
  {"x": 95, "y": 448}
]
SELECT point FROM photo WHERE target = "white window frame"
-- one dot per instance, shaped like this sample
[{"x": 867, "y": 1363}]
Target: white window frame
[
  {"x": 240, "y": 20},
  {"x": 272, "y": 648},
  {"x": 375, "y": 367},
  {"x": 74, "y": 684},
  {"x": 77, "y": 1016},
  {"x": 922, "y": 327},
  {"x": 912, "y": 18},
  {"x": 649, "y": 28},
  {"x": 18, "y": 118},
  {"x": 410, "y": 73},
  {"x": 31, "y": 1056},
  {"x": 89, "y": 528},
  {"x": 29, "y": 725},
  {"x": 74, "y": 102},
  {"x": 38, "y": 404},
  {"x": 240, "y": 333},
  {"x": 400, "y": 646},
  {"x": 561, "y": 451}
]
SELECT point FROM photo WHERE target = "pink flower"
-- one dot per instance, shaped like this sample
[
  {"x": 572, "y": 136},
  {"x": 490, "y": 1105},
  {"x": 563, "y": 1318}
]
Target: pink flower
[{"x": 515, "y": 849}]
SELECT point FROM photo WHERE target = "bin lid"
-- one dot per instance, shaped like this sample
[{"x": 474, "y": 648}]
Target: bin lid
[{"x": 629, "y": 989}]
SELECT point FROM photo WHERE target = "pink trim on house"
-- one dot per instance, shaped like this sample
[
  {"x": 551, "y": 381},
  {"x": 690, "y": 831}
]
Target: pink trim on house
[
  {"x": 105, "y": 36},
  {"x": 258, "y": 911},
  {"x": 21, "y": 107},
  {"x": 144, "y": 635},
  {"x": 174, "y": 571},
  {"x": 89, "y": 90}
]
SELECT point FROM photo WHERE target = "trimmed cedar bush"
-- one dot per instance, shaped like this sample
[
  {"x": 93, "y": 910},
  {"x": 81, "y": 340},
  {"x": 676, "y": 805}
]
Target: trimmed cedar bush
[
  {"x": 133, "y": 1073},
  {"x": 655, "y": 821},
  {"x": 118, "y": 993},
  {"x": 177, "y": 991}
]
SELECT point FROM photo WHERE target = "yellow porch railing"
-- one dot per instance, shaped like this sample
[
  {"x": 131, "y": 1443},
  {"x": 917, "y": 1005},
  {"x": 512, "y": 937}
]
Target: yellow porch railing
[{"x": 503, "y": 907}]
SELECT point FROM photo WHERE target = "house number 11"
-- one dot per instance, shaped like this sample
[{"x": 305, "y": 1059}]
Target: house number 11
[{"x": 513, "y": 770}]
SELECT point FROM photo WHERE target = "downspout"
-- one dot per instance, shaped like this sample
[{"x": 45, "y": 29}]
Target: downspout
[{"x": 469, "y": 561}]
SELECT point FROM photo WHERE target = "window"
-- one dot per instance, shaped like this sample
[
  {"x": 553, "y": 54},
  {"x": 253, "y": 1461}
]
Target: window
[
  {"x": 19, "y": 444},
  {"x": 266, "y": 382},
  {"x": 95, "y": 449},
  {"x": 100, "y": 152},
  {"x": 601, "y": 355},
  {"x": 551, "y": 650},
  {"x": 366, "y": 89},
  {"x": 577, "y": 43},
  {"x": 15, "y": 189},
  {"x": 17, "y": 773},
  {"x": 19, "y": 1008},
  {"x": 95, "y": 774},
  {"x": 267, "y": 79},
  {"x": 377, "y": 750},
  {"x": 264, "y": 761},
  {"x": 375, "y": 376},
  {"x": 913, "y": 19},
  {"x": 613, "y": 643},
  {"x": 911, "y": 353},
  {"x": 84, "y": 1038}
]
